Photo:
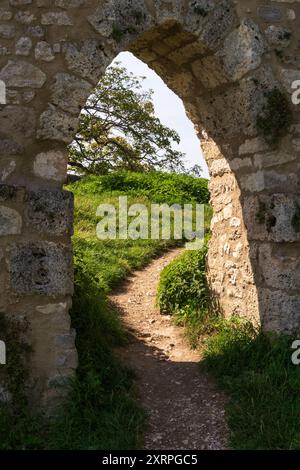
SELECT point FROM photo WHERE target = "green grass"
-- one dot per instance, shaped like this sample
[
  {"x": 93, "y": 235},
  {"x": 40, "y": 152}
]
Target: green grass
[
  {"x": 254, "y": 368},
  {"x": 102, "y": 411},
  {"x": 183, "y": 292},
  {"x": 256, "y": 371}
]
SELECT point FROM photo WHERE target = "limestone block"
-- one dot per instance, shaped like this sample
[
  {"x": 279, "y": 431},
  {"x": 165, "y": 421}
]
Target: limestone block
[
  {"x": 10, "y": 221},
  {"x": 51, "y": 165},
  {"x": 57, "y": 125},
  {"x": 24, "y": 46},
  {"x": 22, "y": 74},
  {"x": 243, "y": 50},
  {"x": 280, "y": 270},
  {"x": 70, "y": 93},
  {"x": 56, "y": 18},
  {"x": 43, "y": 268},
  {"x": 11, "y": 193},
  {"x": 43, "y": 52},
  {"x": 271, "y": 217},
  {"x": 7, "y": 167},
  {"x": 87, "y": 59},
  {"x": 7, "y": 31},
  {"x": 211, "y": 21},
  {"x": 50, "y": 212},
  {"x": 278, "y": 36},
  {"x": 279, "y": 311}
]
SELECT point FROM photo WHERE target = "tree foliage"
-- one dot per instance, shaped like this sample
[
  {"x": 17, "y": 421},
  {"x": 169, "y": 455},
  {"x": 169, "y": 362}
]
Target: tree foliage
[{"x": 119, "y": 130}]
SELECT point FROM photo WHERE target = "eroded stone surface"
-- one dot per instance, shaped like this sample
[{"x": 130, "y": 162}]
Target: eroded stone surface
[{"x": 43, "y": 268}]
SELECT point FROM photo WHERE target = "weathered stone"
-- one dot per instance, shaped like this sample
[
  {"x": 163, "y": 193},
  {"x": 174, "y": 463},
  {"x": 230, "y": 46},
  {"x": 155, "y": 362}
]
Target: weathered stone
[
  {"x": 24, "y": 17},
  {"x": 69, "y": 3},
  {"x": 43, "y": 268},
  {"x": 65, "y": 341},
  {"x": 5, "y": 15},
  {"x": 57, "y": 316},
  {"x": 10, "y": 222},
  {"x": 35, "y": 31},
  {"x": 271, "y": 217},
  {"x": 51, "y": 165},
  {"x": 56, "y": 18},
  {"x": 23, "y": 46},
  {"x": 273, "y": 159},
  {"x": 22, "y": 74},
  {"x": 9, "y": 147},
  {"x": 70, "y": 93},
  {"x": 16, "y": 3},
  {"x": 19, "y": 121},
  {"x": 43, "y": 51},
  {"x": 7, "y": 31},
  {"x": 289, "y": 76},
  {"x": 279, "y": 311},
  {"x": 209, "y": 72},
  {"x": 50, "y": 212},
  {"x": 242, "y": 50},
  {"x": 280, "y": 269},
  {"x": 10, "y": 193},
  {"x": 87, "y": 60},
  {"x": 68, "y": 359},
  {"x": 57, "y": 125},
  {"x": 211, "y": 21},
  {"x": 270, "y": 13},
  {"x": 258, "y": 144},
  {"x": 278, "y": 36},
  {"x": 7, "y": 167}
]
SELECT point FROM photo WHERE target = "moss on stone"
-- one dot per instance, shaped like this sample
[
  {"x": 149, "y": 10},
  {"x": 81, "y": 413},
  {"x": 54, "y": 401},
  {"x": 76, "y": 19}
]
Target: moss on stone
[
  {"x": 296, "y": 220},
  {"x": 276, "y": 117}
]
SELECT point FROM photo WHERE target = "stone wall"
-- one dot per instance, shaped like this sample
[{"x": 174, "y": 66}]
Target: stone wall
[{"x": 230, "y": 62}]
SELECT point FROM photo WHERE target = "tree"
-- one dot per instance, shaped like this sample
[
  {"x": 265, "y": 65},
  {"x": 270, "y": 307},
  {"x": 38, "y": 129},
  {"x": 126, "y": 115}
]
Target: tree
[
  {"x": 118, "y": 130},
  {"x": 196, "y": 171}
]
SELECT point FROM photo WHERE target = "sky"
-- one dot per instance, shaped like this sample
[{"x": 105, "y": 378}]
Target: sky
[{"x": 169, "y": 108}]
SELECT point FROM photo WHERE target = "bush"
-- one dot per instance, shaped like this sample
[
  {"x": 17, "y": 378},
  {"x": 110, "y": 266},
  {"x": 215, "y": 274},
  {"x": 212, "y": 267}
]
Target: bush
[
  {"x": 157, "y": 187},
  {"x": 184, "y": 293},
  {"x": 183, "y": 282}
]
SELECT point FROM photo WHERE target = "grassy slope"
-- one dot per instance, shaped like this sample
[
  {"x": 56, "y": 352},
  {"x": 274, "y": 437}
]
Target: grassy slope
[
  {"x": 102, "y": 412},
  {"x": 255, "y": 368}
]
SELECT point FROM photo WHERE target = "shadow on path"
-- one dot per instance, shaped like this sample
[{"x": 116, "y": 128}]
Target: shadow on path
[{"x": 185, "y": 410}]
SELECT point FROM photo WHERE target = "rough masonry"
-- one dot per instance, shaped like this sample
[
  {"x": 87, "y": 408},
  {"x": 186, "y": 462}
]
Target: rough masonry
[{"x": 233, "y": 63}]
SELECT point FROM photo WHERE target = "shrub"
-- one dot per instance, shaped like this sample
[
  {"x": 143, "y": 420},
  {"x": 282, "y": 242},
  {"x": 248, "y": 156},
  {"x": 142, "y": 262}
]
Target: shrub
[
  {"x": 184, "y": 293},
  {"x": 183, "y": 282},
  {"x": 157, "y": 187}
]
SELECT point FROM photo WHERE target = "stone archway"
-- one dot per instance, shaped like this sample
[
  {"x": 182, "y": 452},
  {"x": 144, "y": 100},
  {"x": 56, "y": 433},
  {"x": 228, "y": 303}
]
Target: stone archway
[{"x": 232, "y": 63}]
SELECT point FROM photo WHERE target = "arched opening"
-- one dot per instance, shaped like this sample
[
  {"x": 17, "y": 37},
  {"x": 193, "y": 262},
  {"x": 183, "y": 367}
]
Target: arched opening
[{"x": 214, "y": 55}]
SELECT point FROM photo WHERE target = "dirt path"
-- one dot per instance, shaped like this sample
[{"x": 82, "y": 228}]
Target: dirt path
[{"x": 185, "y": 411}]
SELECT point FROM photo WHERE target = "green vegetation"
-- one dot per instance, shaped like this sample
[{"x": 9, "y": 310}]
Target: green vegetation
[
  {"x": 183, "y": 292},
  {"x": 254, "y": 368},
  {"x": 158, "y": 187},
  {"x": 118, "y": 129},
  {"x": 256, "y": 371},
  {"x": 101, "y": 412},
  {"x": 276, "y": 116}
]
